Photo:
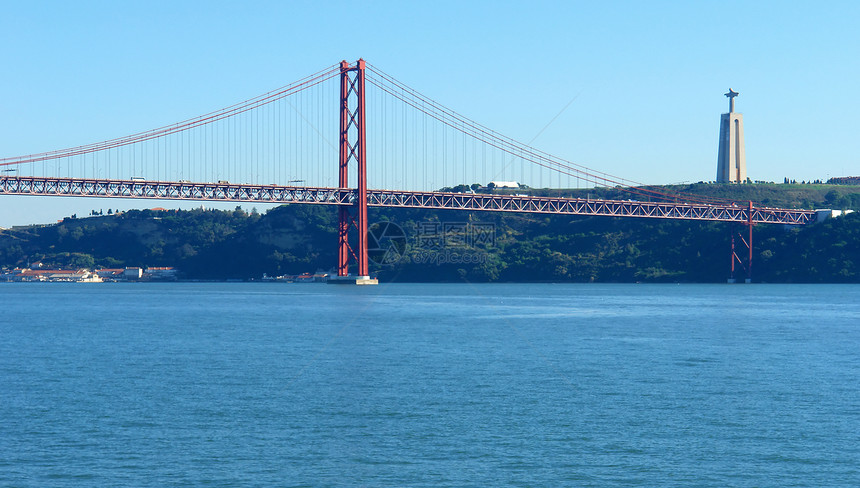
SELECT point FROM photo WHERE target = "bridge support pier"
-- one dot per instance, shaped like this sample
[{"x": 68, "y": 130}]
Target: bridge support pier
[
  {"x": 352, "y": 148},
  {"x": 748, "y": 245}
]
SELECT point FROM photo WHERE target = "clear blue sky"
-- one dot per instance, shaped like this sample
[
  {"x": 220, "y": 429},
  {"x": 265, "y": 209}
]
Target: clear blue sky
[{"x": 648, "y": 77}]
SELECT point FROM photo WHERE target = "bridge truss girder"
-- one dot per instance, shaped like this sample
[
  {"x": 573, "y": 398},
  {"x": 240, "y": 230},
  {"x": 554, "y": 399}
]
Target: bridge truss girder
[
  {"x": 591, "y": 207},
  {"x": 228, "y": 192}
]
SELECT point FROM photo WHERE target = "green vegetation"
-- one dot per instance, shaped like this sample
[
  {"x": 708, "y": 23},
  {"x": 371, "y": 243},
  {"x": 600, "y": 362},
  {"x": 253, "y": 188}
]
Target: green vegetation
[
  {"x": 204, "y": 244},
  {"x": 217, "y": 245}
]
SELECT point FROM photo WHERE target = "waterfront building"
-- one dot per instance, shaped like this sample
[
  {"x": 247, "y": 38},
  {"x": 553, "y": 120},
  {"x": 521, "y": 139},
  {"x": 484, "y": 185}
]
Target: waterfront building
[
  {"x": 844, "y": 180},
  {"x": 112, "y": 274},
  {"x": 134, "y": 273},
  {"x": 504, "y": 184},
  {"x": 157, "y": 273},
  {"x": 74, "y": 275}
]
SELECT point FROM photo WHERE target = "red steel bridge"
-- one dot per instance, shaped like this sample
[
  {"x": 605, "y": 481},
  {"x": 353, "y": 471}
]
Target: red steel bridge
[{"x": 280, "y": 148}]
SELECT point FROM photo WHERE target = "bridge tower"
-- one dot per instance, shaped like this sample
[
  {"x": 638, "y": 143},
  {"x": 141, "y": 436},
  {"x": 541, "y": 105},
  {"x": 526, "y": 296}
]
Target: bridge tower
[
  {"x": 743, "y": 261},
  {"x": 353, "y": 148}
]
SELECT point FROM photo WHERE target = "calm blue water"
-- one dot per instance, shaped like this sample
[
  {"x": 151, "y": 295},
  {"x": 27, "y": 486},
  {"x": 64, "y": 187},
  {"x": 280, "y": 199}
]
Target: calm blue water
[{"x": 429, "y": 385}]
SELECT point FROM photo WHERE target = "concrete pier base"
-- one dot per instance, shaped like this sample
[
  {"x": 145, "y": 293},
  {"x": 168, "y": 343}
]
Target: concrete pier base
[{"x": 353, "y": 280}]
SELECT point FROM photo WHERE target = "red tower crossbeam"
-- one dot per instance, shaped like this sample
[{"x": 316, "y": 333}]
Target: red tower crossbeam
[{"x": 352, "y": 148}]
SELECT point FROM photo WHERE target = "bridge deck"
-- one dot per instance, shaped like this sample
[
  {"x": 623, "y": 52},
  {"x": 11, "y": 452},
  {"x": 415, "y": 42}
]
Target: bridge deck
[{"x": 228, "y": 192}]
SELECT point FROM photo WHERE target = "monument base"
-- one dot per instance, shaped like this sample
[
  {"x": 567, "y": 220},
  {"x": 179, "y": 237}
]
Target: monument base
[{"x": 352, "y": 280}]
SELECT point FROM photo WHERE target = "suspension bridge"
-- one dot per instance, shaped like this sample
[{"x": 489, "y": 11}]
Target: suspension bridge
[{"x": 310, "y": 142}]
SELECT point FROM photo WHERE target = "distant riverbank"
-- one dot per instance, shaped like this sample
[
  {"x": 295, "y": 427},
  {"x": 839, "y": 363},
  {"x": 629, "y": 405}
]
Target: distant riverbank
[{"x": 441, "y": 246}]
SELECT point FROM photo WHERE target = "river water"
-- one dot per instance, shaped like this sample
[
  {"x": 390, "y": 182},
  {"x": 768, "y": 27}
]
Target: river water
[{"x": 242, "y": 384}]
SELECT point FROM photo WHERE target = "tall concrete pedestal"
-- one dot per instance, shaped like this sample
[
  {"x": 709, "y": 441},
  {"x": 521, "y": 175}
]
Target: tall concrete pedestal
[{"x": 731, "y": 160}]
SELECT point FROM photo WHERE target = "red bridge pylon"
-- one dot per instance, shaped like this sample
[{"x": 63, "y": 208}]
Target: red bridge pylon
[
  {"x": 353, "y": 215},
  {"x": 748, "y": 243}
]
